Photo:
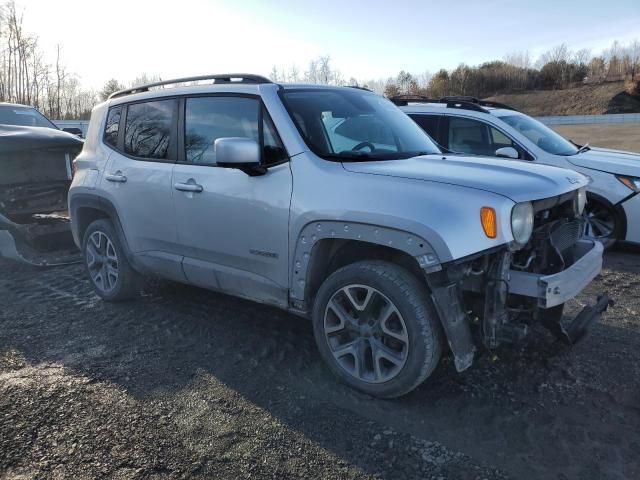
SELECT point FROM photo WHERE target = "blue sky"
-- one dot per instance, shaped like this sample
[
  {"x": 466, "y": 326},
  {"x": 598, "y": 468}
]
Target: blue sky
[{"x": 124, "y": 38}]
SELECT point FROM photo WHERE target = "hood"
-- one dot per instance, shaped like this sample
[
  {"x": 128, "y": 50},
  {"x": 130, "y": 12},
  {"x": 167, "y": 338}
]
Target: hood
[
  {"x": 15, "y": 138},
  {"x": 513, "y": 179},
  {"x": 607, "y": 160}
]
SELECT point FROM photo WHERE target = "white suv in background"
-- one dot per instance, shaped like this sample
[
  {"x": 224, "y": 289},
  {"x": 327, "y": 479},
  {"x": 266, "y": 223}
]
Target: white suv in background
[{"x": 467, "y": 125}]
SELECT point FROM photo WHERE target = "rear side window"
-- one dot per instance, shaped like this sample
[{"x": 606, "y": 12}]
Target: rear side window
[
  {"x": 112, "y": 127},
  {"x": 428, "y": 123},
  {"x": 147, "y": 132}
]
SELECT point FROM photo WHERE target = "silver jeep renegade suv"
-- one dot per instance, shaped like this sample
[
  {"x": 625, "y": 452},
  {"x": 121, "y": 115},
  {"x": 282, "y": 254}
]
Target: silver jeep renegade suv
[{"x": 331, "y": 203}]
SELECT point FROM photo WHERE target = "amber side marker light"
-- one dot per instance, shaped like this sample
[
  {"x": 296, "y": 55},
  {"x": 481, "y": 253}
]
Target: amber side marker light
[{"x": 489, "y": 222}]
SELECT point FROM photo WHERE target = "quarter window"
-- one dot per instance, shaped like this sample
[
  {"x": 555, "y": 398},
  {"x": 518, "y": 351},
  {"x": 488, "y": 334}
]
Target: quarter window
[
  {"x": 500, "y": 138},
  {"x": 112, "y": 126},
  {"x": 147, "y": 131}
]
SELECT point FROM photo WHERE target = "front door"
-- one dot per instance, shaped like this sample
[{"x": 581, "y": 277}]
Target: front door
[{"x": 233, "y": 227}]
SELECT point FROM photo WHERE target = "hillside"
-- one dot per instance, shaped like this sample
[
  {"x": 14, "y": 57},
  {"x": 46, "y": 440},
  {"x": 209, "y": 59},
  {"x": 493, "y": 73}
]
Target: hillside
[{"x": 584, "y": 100}]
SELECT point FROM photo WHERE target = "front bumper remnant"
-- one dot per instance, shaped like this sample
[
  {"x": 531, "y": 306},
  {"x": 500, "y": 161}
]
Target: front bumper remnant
[
  {"x": 579, "y": 326},
  {"x": 556, "y": 289}
]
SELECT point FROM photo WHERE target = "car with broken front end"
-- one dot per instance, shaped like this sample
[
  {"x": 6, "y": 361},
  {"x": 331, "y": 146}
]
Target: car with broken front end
[
  {"x": 331, "y": 203},
  {"x": 36, "y": 161}
]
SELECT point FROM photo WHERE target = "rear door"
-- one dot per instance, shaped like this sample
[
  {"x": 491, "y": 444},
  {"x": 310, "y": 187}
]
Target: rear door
[
  {"x": 232, "y": 227},
  {"x": 138, "y": 180}
]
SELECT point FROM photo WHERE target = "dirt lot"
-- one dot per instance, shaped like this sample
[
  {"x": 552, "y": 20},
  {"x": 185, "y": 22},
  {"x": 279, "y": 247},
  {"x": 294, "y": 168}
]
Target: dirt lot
[
  {"x": 184, "y": 383},
  {"x": 622, "y": 136}
]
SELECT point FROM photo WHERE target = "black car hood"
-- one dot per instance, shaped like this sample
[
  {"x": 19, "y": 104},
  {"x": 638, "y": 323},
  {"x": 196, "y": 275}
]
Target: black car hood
[{"x": 15, "y": 138}]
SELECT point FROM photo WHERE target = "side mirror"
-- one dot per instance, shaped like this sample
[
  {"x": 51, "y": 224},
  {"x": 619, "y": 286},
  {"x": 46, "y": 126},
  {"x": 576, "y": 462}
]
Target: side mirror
[
  {"x": 507, "y": 152},
  {"x": 239, "y": 152},
  {"x": 73, "y": 130}
]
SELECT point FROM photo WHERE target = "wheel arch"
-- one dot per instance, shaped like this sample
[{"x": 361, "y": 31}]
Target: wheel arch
[
  {"x": 85, "y": 209},
  {"x": 324, "y": 246},
  {"x": 617, "y": 208}
]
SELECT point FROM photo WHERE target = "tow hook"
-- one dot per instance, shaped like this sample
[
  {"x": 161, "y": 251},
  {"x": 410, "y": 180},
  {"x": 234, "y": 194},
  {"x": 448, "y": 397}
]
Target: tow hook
[{"x": 579, "y": 327}]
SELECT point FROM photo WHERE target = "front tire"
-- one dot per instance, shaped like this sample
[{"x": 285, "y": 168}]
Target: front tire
[
  {"x": 602, "y": 222},
  {"x": 376, "y": 328},
  {"x": 106, "y": 264}
]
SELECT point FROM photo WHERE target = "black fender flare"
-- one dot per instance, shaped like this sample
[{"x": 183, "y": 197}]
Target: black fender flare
[{"x": 318, "y": 230}]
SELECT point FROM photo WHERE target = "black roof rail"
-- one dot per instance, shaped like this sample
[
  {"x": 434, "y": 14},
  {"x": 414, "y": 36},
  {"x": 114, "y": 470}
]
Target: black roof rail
[
  {"x": 482, "y": 103},
  {"x": 403, "y": 100},
  {"x": 464, "y": 105},
  {"x": 221, "y": 78},
  {"x": 359, "y": 87},
  {"x": 487, "y": 103},
  {"x": 453, "y": 101},
  {"x": 460, "y": 98}
]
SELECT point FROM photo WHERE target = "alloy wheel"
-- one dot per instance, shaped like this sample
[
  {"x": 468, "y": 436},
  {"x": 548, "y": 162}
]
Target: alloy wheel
[
  {"x": 102, "y": 261},
  {"x": 366, "y": 333},
  {"x": 600, "y": 222}
]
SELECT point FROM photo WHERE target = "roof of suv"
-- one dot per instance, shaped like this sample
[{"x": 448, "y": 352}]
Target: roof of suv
[
  {"x": 238, "y": 82},
  {"x": 421, "y": 104}
]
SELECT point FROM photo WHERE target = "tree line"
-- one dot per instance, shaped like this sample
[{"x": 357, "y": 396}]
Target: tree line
[
  {"x": 27, "y": 78},
  {"x": 558, "y": 68}
]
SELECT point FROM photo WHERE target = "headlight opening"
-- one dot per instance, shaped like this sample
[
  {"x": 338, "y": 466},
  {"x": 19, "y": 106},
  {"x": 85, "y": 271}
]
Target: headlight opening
[{"x": 522, "y": 222}]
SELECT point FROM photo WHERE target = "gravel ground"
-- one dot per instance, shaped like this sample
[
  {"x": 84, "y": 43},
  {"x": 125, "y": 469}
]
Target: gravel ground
[{"x": 184, "y": 383}]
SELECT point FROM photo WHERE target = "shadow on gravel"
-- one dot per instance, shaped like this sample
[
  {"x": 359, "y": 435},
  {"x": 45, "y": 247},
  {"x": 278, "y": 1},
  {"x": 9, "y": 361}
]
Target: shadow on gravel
[{"x": 538, "y": 410}]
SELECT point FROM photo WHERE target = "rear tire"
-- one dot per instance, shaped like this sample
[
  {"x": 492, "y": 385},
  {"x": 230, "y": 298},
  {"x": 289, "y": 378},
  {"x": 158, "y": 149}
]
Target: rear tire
[
  {"x": 376, "y": 328},
  {"x": 106, "y": 264}
]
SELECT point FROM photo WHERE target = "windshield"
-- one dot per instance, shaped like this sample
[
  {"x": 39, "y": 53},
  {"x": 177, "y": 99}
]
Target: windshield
[
  {"x": 351, "y": 124},
  {"x": 24, "y": 117},
  {"x": 541, "y": 135}
]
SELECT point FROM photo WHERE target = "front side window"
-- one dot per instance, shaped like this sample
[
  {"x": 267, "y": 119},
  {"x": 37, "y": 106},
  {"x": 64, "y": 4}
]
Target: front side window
[
  {"x": 541, "y": 135},
  {"x": 112, "y": 126},
  {"x": 469, "y": 136},
  {"x": 350, "y": 124},
  {"x": 209, "y": 118},
  {"x": 147, "y": 132}
]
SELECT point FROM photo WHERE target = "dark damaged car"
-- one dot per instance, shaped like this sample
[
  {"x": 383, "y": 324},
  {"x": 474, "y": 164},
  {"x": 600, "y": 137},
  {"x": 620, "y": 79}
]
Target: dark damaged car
[{"x": 36, "y": 165}]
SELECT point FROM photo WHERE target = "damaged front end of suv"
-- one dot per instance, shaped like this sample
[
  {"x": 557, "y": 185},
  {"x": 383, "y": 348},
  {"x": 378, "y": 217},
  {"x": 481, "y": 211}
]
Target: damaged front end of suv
[
  {"x": 496, "y": 296},
  {"x": 36, "y": 165}
]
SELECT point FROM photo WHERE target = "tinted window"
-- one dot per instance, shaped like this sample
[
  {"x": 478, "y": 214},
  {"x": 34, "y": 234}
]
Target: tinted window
[
  {"x": 274, "y": 151},
  {"x": 469, "y": 136},
  {"x": 500, "y": 138},
  {"x": 112, "y": 126},
  {"x": 23, "y": 116},
  {"x": 429, "y": 123},
  {"x": 148, "y": 129},
  {"x": 210, "y": 118}
]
